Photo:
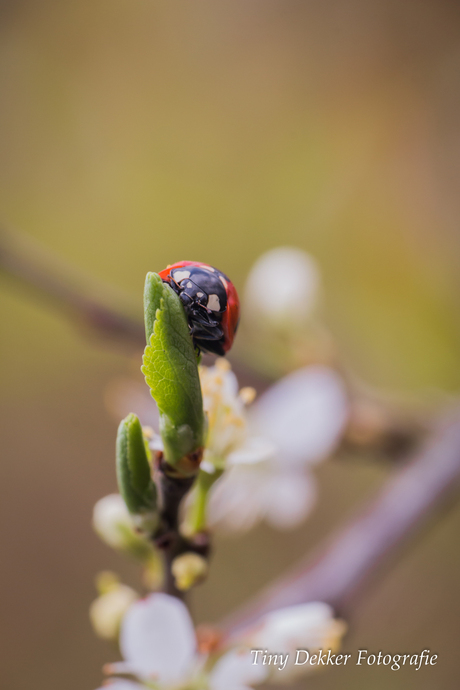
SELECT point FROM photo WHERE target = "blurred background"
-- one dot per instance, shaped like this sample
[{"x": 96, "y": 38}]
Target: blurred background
[{"x": 135, "y": 134}]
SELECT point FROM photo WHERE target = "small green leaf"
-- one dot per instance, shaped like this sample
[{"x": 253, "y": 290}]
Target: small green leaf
[
  {"x": 171, "y": 372},
  {"x": 133, "y": 469},
  {"x": 153, "y": 293}
]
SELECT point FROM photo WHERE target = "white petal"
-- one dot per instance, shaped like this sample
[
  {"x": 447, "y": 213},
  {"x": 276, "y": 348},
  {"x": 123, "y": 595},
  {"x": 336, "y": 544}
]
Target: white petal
[
  {"x": 303, "y": 414},
  {"x": 255, "y": 450},
  {"x": 237, "y": 499},
  {"x": 158, "y": 639},
  {"x": 306, "y": 626},
  {"x": 230, "y": 384},
  {"x": 309, "y": 626},
  {"x": 236, "y": 671},
  {"x": 291, "y": 496}
]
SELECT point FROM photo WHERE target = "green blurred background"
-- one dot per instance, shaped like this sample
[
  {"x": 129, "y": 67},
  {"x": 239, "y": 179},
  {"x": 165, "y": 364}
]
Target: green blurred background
[{"x": 135, "y": 134}]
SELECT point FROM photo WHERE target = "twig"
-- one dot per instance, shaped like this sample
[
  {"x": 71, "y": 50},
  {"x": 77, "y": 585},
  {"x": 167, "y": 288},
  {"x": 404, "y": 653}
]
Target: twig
[
  {"x": 48, "y": 278},
  {"x": 342, "y": 570},
  {"x": 168, "y": 538}
]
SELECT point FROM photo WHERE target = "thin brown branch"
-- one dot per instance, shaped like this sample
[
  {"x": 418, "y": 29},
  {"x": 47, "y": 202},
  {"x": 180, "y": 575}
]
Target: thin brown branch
[
  {"x": 92, "y": 305},
  {"x": 341, "y": 571},
  {"x": 173, "y": 488}
]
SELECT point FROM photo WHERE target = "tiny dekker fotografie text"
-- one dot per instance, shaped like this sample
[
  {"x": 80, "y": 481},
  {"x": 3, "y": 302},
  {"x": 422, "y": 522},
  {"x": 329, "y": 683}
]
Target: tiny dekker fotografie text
[{"x": 327, "y": 658}]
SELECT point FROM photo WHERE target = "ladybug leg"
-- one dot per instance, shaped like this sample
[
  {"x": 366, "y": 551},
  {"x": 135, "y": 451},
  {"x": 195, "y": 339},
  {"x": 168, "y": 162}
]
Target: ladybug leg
[
  {"x": 200, "y": 315},
  {"x": 206, "y": 333},
  {"x": 203, "y": 320},
  {"x": 172, "y": 284},
  {"x": 205, "y": 326}
]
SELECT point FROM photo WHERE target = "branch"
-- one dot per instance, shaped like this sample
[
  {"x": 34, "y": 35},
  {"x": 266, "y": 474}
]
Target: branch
[
  {"x": 167, "y": 537},
  {"x": 47, "y": 277},
  {"x": 341, "y": 571}
]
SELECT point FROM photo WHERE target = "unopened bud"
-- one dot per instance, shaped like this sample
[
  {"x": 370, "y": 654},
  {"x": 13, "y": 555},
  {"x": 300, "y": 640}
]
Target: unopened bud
[
  {"x": 107, "y": 611},
  {"x": 283, "y": 288},
  {"x": 106, "y": 580},
  {"x": 188, "y": 570},
  {"x": 112, "y": 522},
  {"x": 115, "y": 526}
]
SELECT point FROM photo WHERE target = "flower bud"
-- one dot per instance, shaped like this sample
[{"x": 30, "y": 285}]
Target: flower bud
[
  {"x": 188, "y": 570},
  {"x": 114, "y": 525},
  {"x": 283, "y": 288},
  {"x": 107, "y": 611}
]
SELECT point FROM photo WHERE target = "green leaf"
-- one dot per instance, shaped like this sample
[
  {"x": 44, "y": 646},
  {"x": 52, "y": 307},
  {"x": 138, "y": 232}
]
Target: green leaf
[
  {"x": 171, "y": 372},
  {"x": 153, "y": 293},
  {"x": 133, "y": 469}
]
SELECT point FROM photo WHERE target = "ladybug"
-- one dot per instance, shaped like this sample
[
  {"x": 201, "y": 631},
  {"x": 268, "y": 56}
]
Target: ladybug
[{"x": 210, "y": 301}]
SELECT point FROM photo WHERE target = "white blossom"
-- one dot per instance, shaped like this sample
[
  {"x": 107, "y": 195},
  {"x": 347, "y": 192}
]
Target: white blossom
[
  {"x": 108, "y": 610},
  {"x": 303, "y": 414},
  {"x": 160, "y": 648},
  {"x": 159, "y": 645},
  {"x": 224, "y": 406},
  {"x": 267, "y": 451},
  {"x": 309, "y": 627},
  {"x": 283, "y": 287},
  {"x": 293, "y": 426}
]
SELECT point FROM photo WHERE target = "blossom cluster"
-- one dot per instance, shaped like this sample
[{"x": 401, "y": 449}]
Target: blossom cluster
[
  {"x": 292, "y": 427},
  {"x": 161, "y": 649}
]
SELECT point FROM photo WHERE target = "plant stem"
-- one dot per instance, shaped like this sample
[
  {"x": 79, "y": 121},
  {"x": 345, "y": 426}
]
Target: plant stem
[
  {"x": 197, "y": 518},
  {"x": 168, "y": 538}
]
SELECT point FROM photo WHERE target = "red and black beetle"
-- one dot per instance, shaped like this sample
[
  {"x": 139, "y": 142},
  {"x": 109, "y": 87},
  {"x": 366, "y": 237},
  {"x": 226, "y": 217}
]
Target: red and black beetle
[{"x": 210, "y": 301}]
